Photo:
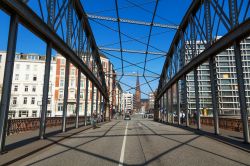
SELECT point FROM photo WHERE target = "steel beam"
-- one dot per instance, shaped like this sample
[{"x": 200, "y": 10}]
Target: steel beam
[
  {"x": 45, "y": 92},
  {"x": 129, "y": 21},
  {"x": 34, "y": 23},
  {"x": 7, "y": 79},
  {"x": 132, "y": 51}
]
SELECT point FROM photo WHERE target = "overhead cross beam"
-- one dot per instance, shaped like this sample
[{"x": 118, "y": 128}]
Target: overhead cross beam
[
  {"x": 129, "y": 21},
  {"x": 131, "y": 51}
]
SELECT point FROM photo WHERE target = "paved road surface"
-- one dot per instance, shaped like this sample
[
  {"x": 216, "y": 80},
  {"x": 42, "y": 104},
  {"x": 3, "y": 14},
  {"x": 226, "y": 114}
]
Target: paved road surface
[{"x": 138, "y": 142}]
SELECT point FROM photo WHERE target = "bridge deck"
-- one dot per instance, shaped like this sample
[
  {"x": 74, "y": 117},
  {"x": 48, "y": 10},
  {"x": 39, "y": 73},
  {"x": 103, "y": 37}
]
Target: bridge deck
[{"x": 146, "y": 143}]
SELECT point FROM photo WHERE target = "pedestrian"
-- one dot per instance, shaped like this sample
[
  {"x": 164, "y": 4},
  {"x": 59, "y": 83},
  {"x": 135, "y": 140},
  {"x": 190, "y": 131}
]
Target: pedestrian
[
  {"x": 195, "y": 117},
  {"x": 182, "y": 117}
]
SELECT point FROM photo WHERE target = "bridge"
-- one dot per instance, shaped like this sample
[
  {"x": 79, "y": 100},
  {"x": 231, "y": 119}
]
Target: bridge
[{"x": 201, "y": 99}]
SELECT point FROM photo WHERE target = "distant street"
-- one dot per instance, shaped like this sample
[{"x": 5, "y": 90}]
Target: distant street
[{"x": 138, "y": 142}]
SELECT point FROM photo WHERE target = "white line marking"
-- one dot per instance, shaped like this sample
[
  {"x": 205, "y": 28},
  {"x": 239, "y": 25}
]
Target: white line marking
[
  {"x": 123, "y": 146},
  {"x": 139, "y": 124}
]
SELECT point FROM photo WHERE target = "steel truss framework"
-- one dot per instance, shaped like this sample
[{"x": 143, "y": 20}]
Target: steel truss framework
[
  {"x": 63, "y": 26},
  {"x": 98, "y": 19},
  {"x": 205, "y": 22}
]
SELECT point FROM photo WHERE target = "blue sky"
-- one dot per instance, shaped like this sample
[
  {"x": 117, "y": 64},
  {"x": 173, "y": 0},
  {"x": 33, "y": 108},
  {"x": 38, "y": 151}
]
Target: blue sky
[{"x": 168, "y": 12}]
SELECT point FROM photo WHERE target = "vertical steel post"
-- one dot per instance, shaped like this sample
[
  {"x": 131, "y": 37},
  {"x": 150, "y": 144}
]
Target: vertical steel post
[
  {"x": 45, "y": 91},
  {"x": 92, "y": 99},
  {"x": 7, "y": 81},
  {"x": 96, "y": 105},
  {"x": 242, "y": 92},
  {"x": 239, "y": 71},
  {"x": 86, "y": 101},
  {"x": 167, "y": 107},
  {"x": 178, "y": 102},
  {"x": 172, "y": 104},
  {"x": 78, "y": 97},
  {"x": 184, "y": 80},
  {"x": 212, "y": 68},
  {"x": 51, "y": 12},
  {"x": 196, "y": 83},
  {"x": 65, "y": 97}
]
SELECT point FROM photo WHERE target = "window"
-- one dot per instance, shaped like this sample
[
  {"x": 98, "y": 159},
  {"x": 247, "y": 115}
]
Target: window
[
  {"x": 14, "y": 100},
  {"x": 61, "y": 83},
  {"x": 62, "y": 61},
  {"x": 60, "y": 107},
  {"x": 26, "y": 88},
  {"x": 33, "y": 89},
  {"x": 60, "y": 94},
  {"x": 62, "y": 72},
  {"x": 72, "y": 83},
  {"x": 49, "y": 113},
  {"x": 73, "y": 71},
  {"x": 27, "y": 77},
  {"x": 34, "y": 78},
  {"x": 17, "y": 77},
  {"x": 27, "y": 67},
  {"x": 12, "y": 114},
  {"x": 25, "y": 100},
  {"x": 15, "y": 88},
  {"x": 34, "y": 113},
  {"x": 49, "y": 100},
  {"x": 17, "y": 66},
  {"x": 23, "y": 114},
  {"x": 33, "y": 100}
]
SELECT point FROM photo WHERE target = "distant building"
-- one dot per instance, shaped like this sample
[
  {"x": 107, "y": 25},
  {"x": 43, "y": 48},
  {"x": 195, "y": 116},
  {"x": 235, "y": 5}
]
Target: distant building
[
  {"x": 144, "y": 105},
  {"x": 72, "y": 91},
  {"x": 127, "y": 102},
  {"x": 27, "y": 85},
  {"x": 151, "y": 100}
]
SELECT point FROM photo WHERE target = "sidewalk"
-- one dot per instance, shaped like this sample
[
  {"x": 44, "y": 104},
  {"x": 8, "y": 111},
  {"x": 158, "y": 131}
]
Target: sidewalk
[{"x": 24, "y": 144}]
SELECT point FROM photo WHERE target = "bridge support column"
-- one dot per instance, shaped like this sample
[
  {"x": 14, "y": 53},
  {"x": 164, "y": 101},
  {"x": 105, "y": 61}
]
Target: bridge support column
[
  {"x": 92, "y": 99},
  {"x": 242, "y": 93},
  {"x": 86, "y": 101},
  {"x": 65, "y": 98},
  {"x": 197, "y": 99},
  {"x": 172, "y": 104},
  {"x": 7, "y": 81},
  {"x": 96, "y": 105},
  {"x": 178, "y": 102},
  {"x": 45, "y": 91},
  {"x": 167, "y": 106},
  {"x": 78, "y": 98}
]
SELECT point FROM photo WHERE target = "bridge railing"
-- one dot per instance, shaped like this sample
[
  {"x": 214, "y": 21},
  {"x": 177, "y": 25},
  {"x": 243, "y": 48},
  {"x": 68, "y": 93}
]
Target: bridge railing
[
  {"x": 192, "y": 78},
  {"x": 64, "y": 27}
]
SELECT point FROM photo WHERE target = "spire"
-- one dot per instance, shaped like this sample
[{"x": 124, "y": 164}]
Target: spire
[{"x": 137, "y": 94}]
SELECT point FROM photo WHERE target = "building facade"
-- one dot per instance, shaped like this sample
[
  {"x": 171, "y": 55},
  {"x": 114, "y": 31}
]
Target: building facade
[
  {"x": 127, "y": 102},
  {"x": 227, "y": 89},
  {"x": 27, "y": 85}
]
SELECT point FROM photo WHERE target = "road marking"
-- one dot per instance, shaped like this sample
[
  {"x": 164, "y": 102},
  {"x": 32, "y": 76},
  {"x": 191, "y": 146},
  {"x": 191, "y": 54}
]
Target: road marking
[
  {"x": 139, "y": 124},
  {"x": 123, "y": 146}
]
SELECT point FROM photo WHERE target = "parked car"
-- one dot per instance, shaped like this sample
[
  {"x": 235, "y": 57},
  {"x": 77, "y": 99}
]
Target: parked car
[
  {"x": 127, "y": 117},
  {"x": 150, "y": 116}
]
